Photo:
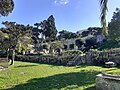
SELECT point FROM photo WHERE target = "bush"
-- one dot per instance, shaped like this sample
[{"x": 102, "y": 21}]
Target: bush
[
  {"x": 71, "y": 46},
  {"x": 71, "y": 52},
  {"x": 108, "y": 45},
  {"x": 65, "y": 47},
  {"x": 45, "y": 46}
]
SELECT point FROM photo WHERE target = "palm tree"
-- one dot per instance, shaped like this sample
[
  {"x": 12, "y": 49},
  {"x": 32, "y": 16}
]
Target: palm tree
[{"x": 103, "y": 5}]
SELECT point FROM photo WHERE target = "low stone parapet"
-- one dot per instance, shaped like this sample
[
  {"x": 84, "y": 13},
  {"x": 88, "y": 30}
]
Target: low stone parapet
[
  {"x": 50, "y": 60},
  {"x": 107, "y": 82}
]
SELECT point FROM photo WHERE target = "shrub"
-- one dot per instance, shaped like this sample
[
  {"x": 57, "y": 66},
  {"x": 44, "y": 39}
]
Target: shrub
[
  {"x": 79, "y": 43},
  {"x": 71, "y": 46},
  {"x": 71, "y": 52},
  {"x": 45, "y": 46},
  {"x": 109, "y": 44},
  {"x": 65, "y": 47}
]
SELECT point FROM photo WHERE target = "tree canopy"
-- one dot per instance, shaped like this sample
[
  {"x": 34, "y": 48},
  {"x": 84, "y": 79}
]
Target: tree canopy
[
  {"x": 50, "y": 30},
  {"x": 67, "y": 34},
  {"x": 114, "y": 26},
  {"x": 79, "y": 43},
  {"x": 6, "y": 7},
  {"x": 15, "y": 33},
  {"x": 46, "y": 29}
]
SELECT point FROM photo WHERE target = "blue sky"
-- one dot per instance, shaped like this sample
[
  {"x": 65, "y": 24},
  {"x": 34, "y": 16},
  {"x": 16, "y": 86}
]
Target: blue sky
[{"x": 71, "y": 15}]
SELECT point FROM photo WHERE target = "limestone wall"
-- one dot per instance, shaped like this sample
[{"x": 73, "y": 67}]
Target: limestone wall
[
  {"x": 92, "y": 57},
  {"x": 4, "y": 62},
  {"x": 107, "y": 82},
  {"x": 50, "y": 60}
]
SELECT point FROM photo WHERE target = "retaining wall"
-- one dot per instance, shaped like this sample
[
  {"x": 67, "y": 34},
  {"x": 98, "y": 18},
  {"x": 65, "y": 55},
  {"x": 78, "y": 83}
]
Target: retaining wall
[{"x": 107, "y": 82}]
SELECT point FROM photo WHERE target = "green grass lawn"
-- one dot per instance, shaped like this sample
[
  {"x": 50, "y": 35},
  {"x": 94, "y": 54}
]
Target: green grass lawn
[{"x": 34, "y": 76}]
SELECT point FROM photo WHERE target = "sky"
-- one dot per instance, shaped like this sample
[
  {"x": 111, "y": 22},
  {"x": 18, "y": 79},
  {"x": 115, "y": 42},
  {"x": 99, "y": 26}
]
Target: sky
[{"x": 71, "y": 15}]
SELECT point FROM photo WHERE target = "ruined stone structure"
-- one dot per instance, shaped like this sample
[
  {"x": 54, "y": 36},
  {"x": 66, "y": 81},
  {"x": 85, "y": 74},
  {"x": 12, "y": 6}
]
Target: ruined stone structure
[
  {"x": 67, "y": 42},
  {"x": 107, "y": 82},
  {"x": 3, "y": 62},
  {"x": 92, "y": 57}
]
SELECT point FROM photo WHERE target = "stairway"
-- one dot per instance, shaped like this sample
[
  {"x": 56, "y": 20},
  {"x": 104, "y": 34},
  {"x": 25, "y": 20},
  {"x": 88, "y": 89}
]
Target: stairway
[{"x": 73, "y": 61}]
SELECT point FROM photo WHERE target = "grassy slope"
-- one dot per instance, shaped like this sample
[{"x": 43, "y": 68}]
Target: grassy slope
[{"x": 33, "y": 76}]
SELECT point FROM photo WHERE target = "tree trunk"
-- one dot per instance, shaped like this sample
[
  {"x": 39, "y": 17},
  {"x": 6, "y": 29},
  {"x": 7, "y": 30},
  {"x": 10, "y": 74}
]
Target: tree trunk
[{"x": 13, "y": 57}]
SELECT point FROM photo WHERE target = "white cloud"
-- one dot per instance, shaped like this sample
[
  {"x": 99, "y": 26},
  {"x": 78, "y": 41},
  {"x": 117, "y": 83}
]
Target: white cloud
[{"x": 62, "y": 2}]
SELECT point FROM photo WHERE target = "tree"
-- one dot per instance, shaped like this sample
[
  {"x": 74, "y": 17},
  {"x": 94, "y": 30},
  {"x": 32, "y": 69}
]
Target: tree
[
  {"x": 15, "y": 32},
  {"x": 49, "y": 28},
  {"x": 24, "y": 44},
  {"x": 6, "y": 7},
  {"x": 90, "y": 42},
  {"x": 36, "y": 31},
  {"x": 46, "y": 46},
  {"x": 85, "y": 33},
  {"x": 71, "y": 46},
  {"x": 43, "y": 29},
  {"x": 79, "y": 43},
  {"x": 66, "y": 35},
  {"x": 103, "y": 4},
  {"x": 114, "y": 26},
  {"x": 56, "y": 45},
  {"x": 4, "y": 42},
  {"x": 65, "y": 47}
]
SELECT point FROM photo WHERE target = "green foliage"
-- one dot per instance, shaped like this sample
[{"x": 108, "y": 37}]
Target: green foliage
[
  {"x": 71, "y": 46},
  {"x": 16, "y": 32},
  {"x": 114, "y": 26},
  {"x": 114, "y": 32},
  {"x": 48, "y": 28},
  {"x": 46, "y": 46},
  {"x": 56, "y": 44},
  {"x": 109, "y": 44},
  {"x": 35, "y": 35},
  {"x": 6, "y": 7},
  {"x": 79, "y": 43},
  {"x": 71, "y": 52},
  {"x": 90, "y": 42},
  {"x": 23, "y": 48},
  {"x": 65, "y": 47},
  {"x": 66, "y": 35},
  {"x": 95, "y": 30},
  {"x": 4, "y": 42}
]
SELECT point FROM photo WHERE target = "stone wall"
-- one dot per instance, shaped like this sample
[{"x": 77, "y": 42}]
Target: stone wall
[
  {"x": 50, "y": 60},
  {"x": 107, "y": 82},
  {"x": 104, "y": 56},
  {"x": 4, "y": 62},
  {"x": 92, "y": 57}
]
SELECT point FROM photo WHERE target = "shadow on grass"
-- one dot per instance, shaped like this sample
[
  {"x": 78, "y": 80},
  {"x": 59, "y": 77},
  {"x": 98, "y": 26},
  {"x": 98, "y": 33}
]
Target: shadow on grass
[
  {"x": 57, "y": 82},
  {"x": 24, "y": 66}
]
